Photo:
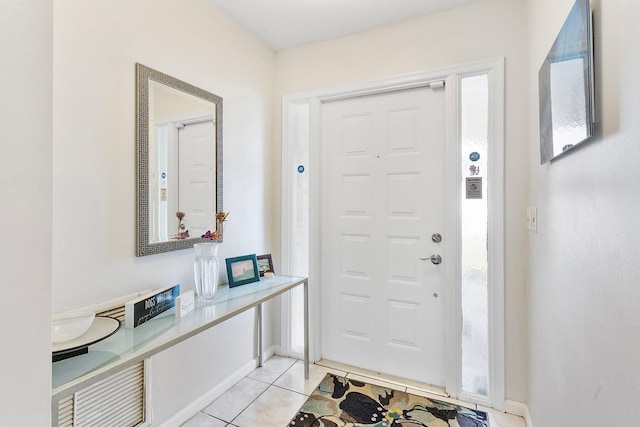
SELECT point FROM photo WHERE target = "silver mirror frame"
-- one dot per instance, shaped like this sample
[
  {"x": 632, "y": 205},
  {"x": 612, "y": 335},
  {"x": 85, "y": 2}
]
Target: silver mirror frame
[{"x": 143, "y": 75}]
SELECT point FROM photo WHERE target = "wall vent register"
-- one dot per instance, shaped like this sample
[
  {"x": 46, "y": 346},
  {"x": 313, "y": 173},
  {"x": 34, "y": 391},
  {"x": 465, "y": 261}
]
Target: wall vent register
[{"x": 116, "y": 401}]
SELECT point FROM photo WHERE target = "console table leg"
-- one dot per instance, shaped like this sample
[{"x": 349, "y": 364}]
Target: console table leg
[
  {"x": 260, "y": 354},
  {"x": 306, "y": 329}
]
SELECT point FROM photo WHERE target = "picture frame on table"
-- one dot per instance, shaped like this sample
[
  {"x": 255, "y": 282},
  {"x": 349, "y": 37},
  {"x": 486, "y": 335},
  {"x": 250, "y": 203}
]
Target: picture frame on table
[
  {"x": 242, "y": 270},
  {"x": 265, "y": 264}
]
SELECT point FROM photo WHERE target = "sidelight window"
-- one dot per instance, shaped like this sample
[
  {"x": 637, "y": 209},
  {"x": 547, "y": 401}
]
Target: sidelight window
[{"x": 474, "y": 232}]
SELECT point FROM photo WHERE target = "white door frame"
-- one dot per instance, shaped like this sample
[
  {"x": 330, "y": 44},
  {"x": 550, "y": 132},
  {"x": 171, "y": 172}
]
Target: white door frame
[{"x": 292, "y": 104}]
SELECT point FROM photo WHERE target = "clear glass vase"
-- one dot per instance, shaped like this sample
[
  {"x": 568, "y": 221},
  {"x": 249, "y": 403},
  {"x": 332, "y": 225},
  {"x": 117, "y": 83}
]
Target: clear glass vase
[{"x": 206, "y": 270}]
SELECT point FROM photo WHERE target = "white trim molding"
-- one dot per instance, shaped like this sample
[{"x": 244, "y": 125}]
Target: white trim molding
[
  {"x": 312, "y": 100},
  {"x": 496, "y": 232},
  {"x": 201, "y": 402},
  {"x": 520, "y": 409}
]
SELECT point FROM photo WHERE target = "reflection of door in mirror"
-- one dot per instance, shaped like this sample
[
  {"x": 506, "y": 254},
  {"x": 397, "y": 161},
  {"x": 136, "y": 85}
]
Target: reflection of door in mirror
[
  {"x": 196, "y": 167},
  {"x": 182, "y": 167}
]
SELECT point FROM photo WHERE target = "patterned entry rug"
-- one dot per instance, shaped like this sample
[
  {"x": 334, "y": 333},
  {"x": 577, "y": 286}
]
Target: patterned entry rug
[{"x": 342, "y": 402}]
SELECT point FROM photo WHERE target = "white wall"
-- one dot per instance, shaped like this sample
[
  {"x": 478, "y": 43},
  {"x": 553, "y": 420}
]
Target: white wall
[
  {"x": 25, "y": 196},
  {"x": 583, "y": 294},
  {"x": 584, "y": 291},
  {"x": 96, "y": 45},
  {"x": 482, "y": 30}
]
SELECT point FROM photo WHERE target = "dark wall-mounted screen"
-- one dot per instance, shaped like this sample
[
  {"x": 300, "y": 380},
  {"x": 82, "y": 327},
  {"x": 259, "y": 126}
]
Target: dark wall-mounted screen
[{"x": 566, "y": 86}]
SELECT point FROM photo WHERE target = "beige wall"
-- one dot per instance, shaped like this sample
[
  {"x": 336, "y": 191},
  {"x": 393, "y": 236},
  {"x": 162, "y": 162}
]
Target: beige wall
[
  {"x": 96, "y": 46},
  {"x": 584, "y": 296},
  {"x": 482, "y": 30},
  {"x": 25, "y": 197}
]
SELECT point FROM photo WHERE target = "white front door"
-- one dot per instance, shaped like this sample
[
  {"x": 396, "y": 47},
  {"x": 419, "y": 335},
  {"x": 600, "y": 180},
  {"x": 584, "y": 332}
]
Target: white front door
[
  {"x": 383, "y": 200},
  {"x": 197, "y": 176}
]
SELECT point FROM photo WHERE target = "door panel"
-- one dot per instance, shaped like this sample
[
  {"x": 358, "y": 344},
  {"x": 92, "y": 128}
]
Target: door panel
[
  {"x": 196, "y": 159},
  {"x": 383, "y": 197}
]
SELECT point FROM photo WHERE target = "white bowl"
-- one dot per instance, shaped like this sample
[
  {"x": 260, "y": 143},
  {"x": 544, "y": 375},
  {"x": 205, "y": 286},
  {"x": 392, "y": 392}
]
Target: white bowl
[{"x": 68, "y": 326}]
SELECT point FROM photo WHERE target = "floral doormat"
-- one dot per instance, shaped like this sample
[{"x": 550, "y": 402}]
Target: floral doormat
[{"x": 342, "y": 402}]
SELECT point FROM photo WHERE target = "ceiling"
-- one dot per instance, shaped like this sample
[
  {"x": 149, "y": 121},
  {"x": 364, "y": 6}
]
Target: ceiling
[{"x": 283, "y": 24}]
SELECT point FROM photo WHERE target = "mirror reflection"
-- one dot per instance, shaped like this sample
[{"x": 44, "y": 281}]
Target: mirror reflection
[
  {"x": 179, "y": 162},
  {"x": 566, "y": 92}
]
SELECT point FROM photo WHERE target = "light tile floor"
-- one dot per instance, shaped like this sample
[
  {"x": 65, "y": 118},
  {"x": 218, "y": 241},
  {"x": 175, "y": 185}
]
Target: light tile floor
[{"x": 271, "y": 395}]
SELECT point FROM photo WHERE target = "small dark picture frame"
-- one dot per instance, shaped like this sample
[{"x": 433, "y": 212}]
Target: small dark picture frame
[
  {"x": 265, "y": 264},
  {"x": 242, "y": 270}
]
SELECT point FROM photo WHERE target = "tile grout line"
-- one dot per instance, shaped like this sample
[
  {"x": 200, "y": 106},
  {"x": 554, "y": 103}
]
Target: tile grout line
[
  {"x": 287, "y": 389},
  {"x": 285, "y": 371},
  {"x": 399, "y": 387},
  {"x": 261, "y": 393},
  {"x": 219, "y": 419},
  {"x": 249, "y": 404}
]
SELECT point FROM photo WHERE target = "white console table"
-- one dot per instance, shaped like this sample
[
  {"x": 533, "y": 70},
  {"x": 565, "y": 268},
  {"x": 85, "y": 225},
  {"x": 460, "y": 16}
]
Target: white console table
[{"x": 130, "y": 346}]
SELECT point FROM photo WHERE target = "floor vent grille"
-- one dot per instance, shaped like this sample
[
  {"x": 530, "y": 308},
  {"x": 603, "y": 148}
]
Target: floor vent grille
[{"x": 65, "y": 412}]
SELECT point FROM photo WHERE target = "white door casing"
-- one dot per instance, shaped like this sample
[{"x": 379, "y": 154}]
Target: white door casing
[
  {"x": 292, "y": 121},
  {"x": 383, "y": 199}
]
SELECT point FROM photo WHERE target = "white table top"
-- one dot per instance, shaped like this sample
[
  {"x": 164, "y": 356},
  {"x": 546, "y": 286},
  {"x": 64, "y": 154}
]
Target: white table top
[{"x": 129, "y": 346}]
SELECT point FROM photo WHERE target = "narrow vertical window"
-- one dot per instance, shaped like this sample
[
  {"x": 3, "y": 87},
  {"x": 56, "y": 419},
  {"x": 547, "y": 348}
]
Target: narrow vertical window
[
  {"x": 474, "y": 234},
  {"x": 300, "y": 225}
]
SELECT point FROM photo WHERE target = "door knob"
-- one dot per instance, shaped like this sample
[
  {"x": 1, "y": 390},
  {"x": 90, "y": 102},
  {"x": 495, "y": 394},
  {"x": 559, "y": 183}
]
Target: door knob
[{"x": 436, "y": 259}]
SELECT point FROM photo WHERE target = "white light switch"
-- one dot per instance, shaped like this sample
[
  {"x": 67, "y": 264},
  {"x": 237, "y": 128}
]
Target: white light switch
[{"x": 531, "y": 218}]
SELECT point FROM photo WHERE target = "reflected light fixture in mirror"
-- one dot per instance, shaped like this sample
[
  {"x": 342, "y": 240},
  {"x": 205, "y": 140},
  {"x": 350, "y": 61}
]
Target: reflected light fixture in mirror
[{"x": 179, "y": 162}]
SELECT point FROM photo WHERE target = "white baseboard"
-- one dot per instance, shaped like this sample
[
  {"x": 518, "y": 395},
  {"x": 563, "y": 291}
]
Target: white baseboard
[
  {"x": 271, "y": 351},
  {"x": 520, "y": 409},
  {"x": 528, "y": 419},
  {"x": 200, "y": 403}
]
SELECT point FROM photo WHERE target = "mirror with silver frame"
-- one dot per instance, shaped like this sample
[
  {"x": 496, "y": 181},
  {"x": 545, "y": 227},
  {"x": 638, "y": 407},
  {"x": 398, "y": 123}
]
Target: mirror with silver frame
[{"x": 179, "y": 162}]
